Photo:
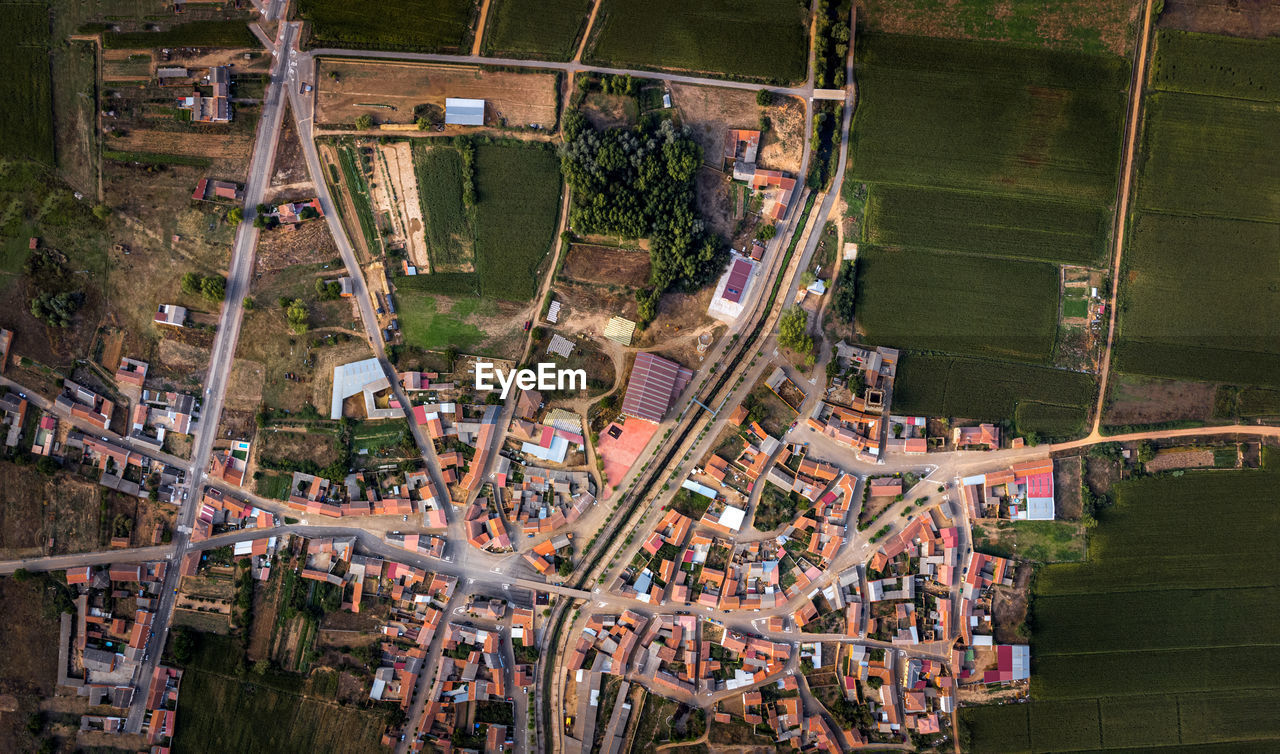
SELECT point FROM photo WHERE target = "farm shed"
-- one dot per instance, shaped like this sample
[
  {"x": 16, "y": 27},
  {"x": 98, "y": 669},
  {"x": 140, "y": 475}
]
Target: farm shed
[
  {"x": 463, "y": 112},
  {"x": 655, "y": 382}
]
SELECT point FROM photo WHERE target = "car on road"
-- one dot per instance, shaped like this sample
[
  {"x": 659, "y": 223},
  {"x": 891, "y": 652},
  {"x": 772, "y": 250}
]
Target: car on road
[{"x": 527, "y": 324}]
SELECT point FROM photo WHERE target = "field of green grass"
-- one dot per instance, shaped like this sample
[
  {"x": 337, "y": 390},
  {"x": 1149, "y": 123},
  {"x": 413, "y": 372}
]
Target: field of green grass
[
  {"x": 26, "y": 120},
  {"x": 991, "y": 224},
  {"x": 1160, "y": 637},
  {"x": 448, "y": 232},
  {"x": 1199, "y": 297},
  {"x": 934, "y": 385},
  {"x": 960, "y": 304},
  {"x": 425, "y": 326},
  {"x": 517, "y": 207},
  {"x": 766, "y": 40},
  {"x": 416, "y": 25},
  {"x": 547, "y": 29}
]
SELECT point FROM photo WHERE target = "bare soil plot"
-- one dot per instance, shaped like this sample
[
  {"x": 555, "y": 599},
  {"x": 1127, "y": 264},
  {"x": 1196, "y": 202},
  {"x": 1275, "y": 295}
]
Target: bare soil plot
[
  {"x": 516, "y": 99},
  {"x": 605, "y": 111},
  {"x": 35, "y": 508},
  {"x": 1238, "y": 18},
  {"x": 678, "y": 313},
  {"x": 1010, "y": 607},
  {"x": 216, "y": 146},
  {"x": 127, "y": 65},
  {"x": 607, "y": 265},
  {"x": 287, "y": 246},
  {"x": 290, "y": 168},
  {"x": 394, "y": 193},
  {"x": 1135, "y": 400},
  {"x": 588, "y": 307},
  {"x": 711, "y": 111},
  {"x": 1067, "y": 478}
]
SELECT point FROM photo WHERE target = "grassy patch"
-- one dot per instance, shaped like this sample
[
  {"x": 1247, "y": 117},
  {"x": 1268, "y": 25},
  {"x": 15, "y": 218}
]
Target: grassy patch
[
  {"x": 426, "y": 327},
  {"x": 448, "y": 233},
  {"x": 210, "y": 33},
  {"x": 26, "y": 120},
  {"x": 765, "y": 40}
]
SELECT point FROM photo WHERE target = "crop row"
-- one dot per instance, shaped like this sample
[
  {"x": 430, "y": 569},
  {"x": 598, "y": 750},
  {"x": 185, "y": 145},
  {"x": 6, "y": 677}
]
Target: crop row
[
  {"x": 26, "y": 120},
  {"x": 535, "y": 28},
  {"x": 518, "y": 200},
  {"x": 439, "y": 175},
  {"x": 1217, "y": 65},
  {"x": 439, "y": 25}
]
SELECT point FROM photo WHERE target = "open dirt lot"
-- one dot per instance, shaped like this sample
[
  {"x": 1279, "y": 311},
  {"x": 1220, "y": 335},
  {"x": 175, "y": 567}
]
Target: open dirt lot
[
  {"x": 287, "y": 246},
  {"x": 217, "y": 146},
  {"x": 30, "y": 673},
  {"x": 519, "y": 99},
  {"x": 394, "y": 191},
  {"x": 35, "y": 508},
  {"x": 710, "y": 111},
  {"x": 1238, "y": 18},
  {"x": 1148, "y": 400},
  {"x": 607, "y": 265},
  {"x": 290, "y": 170}
]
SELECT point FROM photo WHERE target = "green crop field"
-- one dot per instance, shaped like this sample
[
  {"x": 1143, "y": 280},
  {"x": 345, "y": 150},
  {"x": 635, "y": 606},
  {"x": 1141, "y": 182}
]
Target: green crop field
[
  {"x": 419, "y": 25},
  {"x": 228, "y": 33},
  {"x": 1200, "y": 300},
  {"x": 1222, "y": 66},
  {"x": 26, "y": 120},
  {"x": 933, "y": 385},
  {"x": 439, "y": 175},
  {"x": 1049, "y": 420},
  {"x": 959, "y": 304},
  {"x": 765, "y": 40},
  {"x": 998, "y": 225},
  {"x": 517, "y": 207},
  {"x": 1210, "y": 156},
  {"x": 979, "y": 116},
  {"x": 535, "y": 28},
  {"x": 1157, "y": 639}
]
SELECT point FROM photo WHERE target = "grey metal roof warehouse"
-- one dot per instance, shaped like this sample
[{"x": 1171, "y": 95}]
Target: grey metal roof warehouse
[{"x": 464, "y": 112}]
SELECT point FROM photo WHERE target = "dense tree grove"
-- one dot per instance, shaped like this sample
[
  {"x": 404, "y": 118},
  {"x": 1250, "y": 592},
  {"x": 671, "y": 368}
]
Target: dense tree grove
[{"x": 639, "y": 183}]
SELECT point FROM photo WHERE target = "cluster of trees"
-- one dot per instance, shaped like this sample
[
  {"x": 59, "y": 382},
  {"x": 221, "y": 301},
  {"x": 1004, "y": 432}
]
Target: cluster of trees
[
  {"x": 328, "y": 291},
  {"x": 843, "y": 298},
  {"x": 621, "y": 84},
  {"x": 296, "y": 312},
  {"x": 54, "y": 300},
  {"x": 364, "y": 122},
  {"x": 831, "y": 44},
  {"x": 638, "y": 183},
  {"x": 211, "y": 287},
  {"x": 56, "y": 309}
]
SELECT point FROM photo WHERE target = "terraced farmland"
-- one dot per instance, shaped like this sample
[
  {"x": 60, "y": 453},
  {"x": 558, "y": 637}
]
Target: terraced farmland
[{"x": 1157, "y": 638}]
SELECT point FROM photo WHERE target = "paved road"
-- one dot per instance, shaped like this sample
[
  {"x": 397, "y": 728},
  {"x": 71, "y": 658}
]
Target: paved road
[{"x": 220, "y": 361}]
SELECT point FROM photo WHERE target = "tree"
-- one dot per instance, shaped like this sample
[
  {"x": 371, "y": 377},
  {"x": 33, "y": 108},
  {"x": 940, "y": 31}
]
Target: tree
[
  {"x": 793, "y": 330},
  {"x": 101, "y": 211},
  {"x": 47, "y": 466},
  {"x": 190, "y": 283},
  {"x": 364, "y": 122},
  {"x": 297, "y": 315},
  {"x": 764, "y": 98},
  {"x": 182, "y": 645},
  {"x": 214, "y": 288},
  {"x": 767, "y": 232},
  {"x": 423, "y": 124},
  {"x": 248, "y": 303},
  {"x": 261, "y": 667},
  {"x": 843, "y": 298},
  {"x": 235, "y": 215}
]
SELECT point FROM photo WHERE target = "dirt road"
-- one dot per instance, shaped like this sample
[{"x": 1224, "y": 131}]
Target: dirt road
[{"x": 1122, "y": 207}]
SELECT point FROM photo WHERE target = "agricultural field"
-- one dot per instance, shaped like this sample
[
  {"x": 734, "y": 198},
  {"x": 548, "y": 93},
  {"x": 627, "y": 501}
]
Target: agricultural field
[
  {"x": 207, "y": 33},
  {"x": 606, "y": 265},
  {"x": 439, "y": 172},
  {"x": 517, "y": 207},
  {"x": 1199, "y": 301},
  {"x": 1091, "y": 26},
  {"x": 1251, "y": 19},
  {"x": 400, "y": 92},
  {"x": 987, "y": 167},
  {"x": 26, "y": 121},
  {"x": 989, "y": 224},
  {"x": 27, "y": 677},
  {"x": 978, "y": 117},
  {"x": 1155, "y": 639},
  {"x": 934, "y": 385},
  {"x": 415, "y": 25},
  {"x": 707, "y": 37},
  {"x": 916, "y": 299},
  {"x": 223, "y": 712},
  {"x": 548, "y": 29}
]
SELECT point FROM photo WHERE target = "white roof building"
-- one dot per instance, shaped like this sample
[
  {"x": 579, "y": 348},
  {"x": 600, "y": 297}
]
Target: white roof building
[
  {"x": 361, "y": 377},
  {"x": 464, "y": 112}
]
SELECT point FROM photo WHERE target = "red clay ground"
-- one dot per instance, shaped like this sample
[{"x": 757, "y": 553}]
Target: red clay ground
[{"x": 620, "y": 453}]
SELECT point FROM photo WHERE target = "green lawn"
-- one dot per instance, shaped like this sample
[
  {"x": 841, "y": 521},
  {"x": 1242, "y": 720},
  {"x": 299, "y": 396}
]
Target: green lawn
[{"x": 426, "y": 327}]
